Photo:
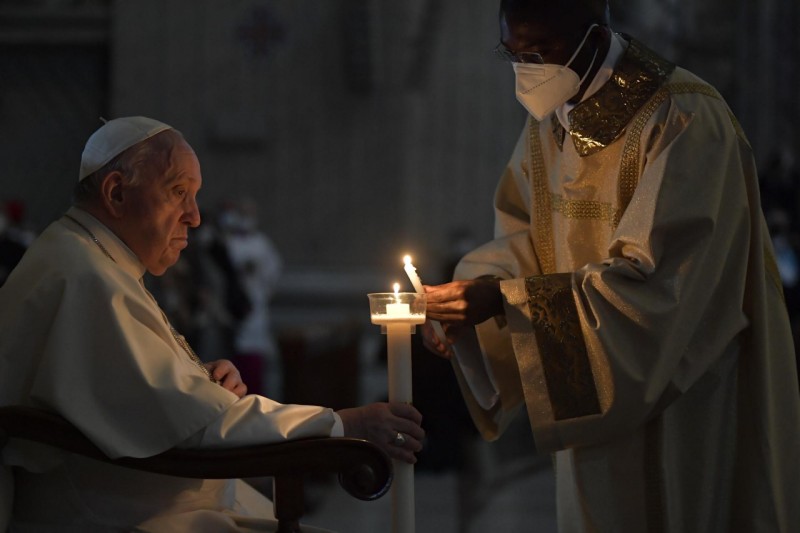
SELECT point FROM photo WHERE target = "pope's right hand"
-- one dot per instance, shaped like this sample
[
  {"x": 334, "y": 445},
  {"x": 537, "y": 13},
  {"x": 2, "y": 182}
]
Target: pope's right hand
[{"x": 381, "y": 423}]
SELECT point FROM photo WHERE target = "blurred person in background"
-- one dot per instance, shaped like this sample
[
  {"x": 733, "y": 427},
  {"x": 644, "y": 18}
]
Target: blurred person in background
[{"x": 257, "y": 265}]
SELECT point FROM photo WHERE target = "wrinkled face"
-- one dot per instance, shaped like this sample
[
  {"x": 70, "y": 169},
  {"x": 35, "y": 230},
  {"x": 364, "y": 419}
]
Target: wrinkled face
[{"x": 158, "y": 213}]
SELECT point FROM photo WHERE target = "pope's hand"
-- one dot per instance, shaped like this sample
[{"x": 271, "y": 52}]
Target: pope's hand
[
  {"x": 381, "y": 423},
  {"x": 227, "y": 376}
]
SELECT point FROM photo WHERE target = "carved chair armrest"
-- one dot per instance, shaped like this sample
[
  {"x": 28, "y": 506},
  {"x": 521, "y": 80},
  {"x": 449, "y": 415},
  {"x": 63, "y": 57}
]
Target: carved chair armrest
[{"x": 363, "y": 469}]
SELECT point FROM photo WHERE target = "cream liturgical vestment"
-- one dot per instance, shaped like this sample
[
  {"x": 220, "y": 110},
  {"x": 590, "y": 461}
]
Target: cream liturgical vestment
[
  {"x": 645, "y": 330},
  {"x": 81, "y": 336}
]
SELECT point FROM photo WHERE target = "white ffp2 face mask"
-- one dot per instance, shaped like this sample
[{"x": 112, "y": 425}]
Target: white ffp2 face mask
[{"x": 541, "y": 89}]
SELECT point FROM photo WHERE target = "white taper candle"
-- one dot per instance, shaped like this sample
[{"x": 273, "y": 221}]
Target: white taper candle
[{"x": 411, "y": 272}]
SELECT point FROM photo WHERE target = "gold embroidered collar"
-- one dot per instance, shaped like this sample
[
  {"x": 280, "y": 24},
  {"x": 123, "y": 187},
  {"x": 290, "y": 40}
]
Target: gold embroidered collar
[{"x": 600, "y": 119}]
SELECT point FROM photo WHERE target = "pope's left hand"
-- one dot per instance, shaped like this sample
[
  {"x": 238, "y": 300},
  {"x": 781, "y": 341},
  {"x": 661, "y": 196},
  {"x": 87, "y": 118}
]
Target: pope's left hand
[{"x": 227, "y": 376}]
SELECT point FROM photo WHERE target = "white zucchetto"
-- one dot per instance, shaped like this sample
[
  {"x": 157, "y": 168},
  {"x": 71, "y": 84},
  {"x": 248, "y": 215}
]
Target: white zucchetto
[{"x": 113, "y": 138}]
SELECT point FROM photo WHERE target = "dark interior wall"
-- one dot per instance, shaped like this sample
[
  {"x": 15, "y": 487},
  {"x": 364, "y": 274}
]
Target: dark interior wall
[{"x": 360, "y": 128}]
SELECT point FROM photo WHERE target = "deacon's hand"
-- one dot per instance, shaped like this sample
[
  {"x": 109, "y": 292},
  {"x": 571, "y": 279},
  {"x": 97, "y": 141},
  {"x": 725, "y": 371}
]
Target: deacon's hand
[
  {"x": 431, "y": 341},
  {"x": 381, "y": 423},
  {"x": 464, "y": 303},
  {"x": 227, "y": 376}
]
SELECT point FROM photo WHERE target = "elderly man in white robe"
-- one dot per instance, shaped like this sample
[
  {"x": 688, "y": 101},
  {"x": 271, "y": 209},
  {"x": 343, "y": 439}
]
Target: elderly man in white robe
[
  {"x": 81, "y": 336},
  {"x": 630, "y": 299}
]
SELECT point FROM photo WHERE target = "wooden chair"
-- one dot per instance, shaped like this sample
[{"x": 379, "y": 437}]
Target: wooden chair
[{"x": 363, "y": 469}]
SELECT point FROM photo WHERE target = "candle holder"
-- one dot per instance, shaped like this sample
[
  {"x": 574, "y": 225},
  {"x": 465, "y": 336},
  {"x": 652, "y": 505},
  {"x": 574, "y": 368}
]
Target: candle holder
[
  {"x": 397, "y": 308},
  {"x": 398, "y": 314}
]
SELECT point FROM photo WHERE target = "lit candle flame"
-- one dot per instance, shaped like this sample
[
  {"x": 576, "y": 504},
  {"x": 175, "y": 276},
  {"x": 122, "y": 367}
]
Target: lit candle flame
[
  {"x": 396, "y": 288},
  {"x": 407, "y": 259}
]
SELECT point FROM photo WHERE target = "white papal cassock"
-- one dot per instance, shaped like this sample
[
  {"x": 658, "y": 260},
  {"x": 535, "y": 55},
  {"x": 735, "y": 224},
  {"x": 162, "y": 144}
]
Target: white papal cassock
[
  {"x": 82, "y": 337},
  {"x": 645, "y": 330}
]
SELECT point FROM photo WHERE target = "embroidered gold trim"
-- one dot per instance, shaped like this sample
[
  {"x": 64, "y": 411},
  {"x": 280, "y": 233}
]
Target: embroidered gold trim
[
  {"x": 602, "y": 118},
  {"x": 541, "y": 201},
  {"x": 562, "y": 348},
  {"x": 629, "y": 168},
  {"x": 599, "y": 120},
  {"x": 583, "y": 209}
]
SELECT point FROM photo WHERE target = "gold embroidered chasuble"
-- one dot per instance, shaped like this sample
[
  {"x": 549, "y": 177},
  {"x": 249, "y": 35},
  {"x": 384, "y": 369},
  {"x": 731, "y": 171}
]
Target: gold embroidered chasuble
[{"x": 645, "y": 331}]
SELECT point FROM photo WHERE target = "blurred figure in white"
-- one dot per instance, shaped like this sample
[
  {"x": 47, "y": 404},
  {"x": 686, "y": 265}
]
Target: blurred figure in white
[{"x": 258, "y": 264}]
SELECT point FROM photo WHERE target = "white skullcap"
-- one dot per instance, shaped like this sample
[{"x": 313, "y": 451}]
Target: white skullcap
[{"x": 113, "y": 138}]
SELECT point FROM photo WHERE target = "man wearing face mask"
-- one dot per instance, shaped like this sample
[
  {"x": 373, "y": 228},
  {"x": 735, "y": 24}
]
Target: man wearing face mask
[{"x": 630, "y": 299}]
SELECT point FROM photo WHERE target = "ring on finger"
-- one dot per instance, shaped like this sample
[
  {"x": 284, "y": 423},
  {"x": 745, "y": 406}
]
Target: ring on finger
[{"x": 399, "y": 439}]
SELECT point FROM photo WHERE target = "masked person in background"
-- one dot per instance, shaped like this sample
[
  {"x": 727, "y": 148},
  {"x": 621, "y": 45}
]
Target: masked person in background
[
  {"x": 257, "y": 263},
  {"x": 80, "y": 335},
  {"x": 630, "y": 299}
]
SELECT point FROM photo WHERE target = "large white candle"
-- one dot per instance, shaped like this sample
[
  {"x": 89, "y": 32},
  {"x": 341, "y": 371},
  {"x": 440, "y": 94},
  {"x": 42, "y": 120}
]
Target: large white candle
[
  {"x": 398, "y": 338},
  {"x": 399, "y": 349},
  {"x": 400, "y": 390},
  {"x": 411, "y": 272},
  {"x": 398, "y": 323}
]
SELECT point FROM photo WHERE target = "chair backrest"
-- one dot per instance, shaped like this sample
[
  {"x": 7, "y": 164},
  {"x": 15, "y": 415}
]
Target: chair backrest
[{"x": 364, "y": 470}]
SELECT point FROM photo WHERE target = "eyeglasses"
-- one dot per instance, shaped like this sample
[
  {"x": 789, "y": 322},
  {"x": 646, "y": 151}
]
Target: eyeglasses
[{"x": 502, "y": 52}]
